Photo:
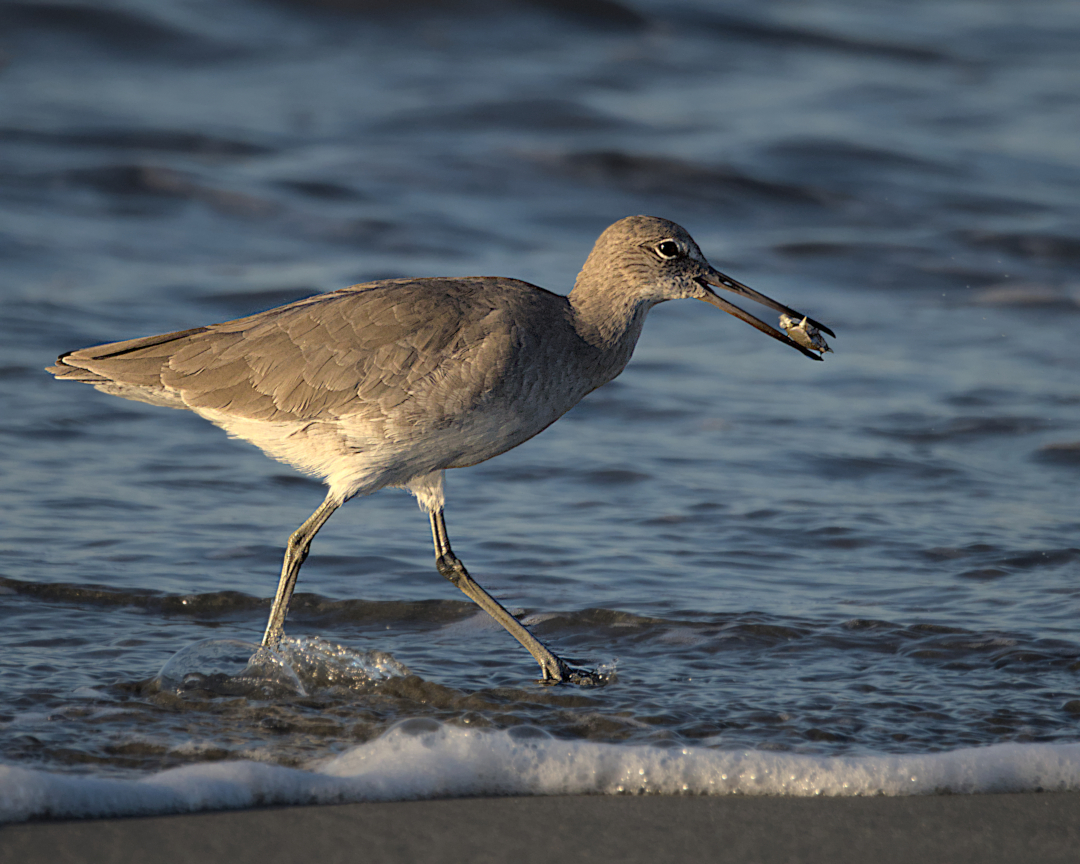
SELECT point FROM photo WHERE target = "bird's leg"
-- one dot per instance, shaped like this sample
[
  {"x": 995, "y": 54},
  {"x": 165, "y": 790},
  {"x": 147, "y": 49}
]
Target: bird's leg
[
  {"x": 296, "y": 552},
  {"x": 554, "y": 669}
]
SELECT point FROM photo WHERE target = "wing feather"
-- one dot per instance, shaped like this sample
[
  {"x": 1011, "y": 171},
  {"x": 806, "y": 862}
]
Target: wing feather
[{"x": 366, "y": 349}]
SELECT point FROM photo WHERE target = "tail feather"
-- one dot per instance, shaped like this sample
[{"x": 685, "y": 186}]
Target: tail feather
[{"x": 131, "y": 369}]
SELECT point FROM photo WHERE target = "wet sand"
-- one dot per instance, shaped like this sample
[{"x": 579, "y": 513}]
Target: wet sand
[{"x": 1043, "y": 827}]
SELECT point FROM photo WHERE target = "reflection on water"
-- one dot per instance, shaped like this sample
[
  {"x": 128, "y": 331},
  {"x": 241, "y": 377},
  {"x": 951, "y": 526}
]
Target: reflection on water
[{"x": 875, "y": 554}]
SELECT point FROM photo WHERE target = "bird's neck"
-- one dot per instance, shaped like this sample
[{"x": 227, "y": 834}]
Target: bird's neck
[{"x": 609, "y": 320}]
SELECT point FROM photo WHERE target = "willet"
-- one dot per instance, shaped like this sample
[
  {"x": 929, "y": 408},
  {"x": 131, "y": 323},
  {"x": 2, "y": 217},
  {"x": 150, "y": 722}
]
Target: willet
[{"x": 390, "y": 383}]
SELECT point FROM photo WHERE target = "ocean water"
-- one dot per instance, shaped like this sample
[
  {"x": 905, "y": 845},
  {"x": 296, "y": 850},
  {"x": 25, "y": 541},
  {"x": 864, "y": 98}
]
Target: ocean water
[{"x": 860, "y": 576}]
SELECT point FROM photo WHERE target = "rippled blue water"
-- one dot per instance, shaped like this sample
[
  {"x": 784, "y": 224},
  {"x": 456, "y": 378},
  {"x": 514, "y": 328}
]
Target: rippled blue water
[{"x": 879, "y": 553}]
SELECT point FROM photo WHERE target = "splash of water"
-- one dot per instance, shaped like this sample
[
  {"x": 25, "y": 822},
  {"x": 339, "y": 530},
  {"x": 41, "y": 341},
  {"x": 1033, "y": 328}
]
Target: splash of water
[{"x": 296, "y": 667}]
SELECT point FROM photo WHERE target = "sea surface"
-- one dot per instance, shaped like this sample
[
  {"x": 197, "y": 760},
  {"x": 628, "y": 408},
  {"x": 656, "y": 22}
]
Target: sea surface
[{"x": 860, "y": 576}]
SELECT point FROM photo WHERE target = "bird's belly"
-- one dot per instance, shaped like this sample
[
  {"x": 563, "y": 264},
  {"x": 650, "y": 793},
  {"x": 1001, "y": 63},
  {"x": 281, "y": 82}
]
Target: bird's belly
[
  {"x": 468, "y": 439},
  {"x": 490, "y": 433},
  {"x": 359, "y": 454}
]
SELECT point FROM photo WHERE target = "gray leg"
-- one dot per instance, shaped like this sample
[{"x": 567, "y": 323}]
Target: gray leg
[
  {"x": 554, "y": 669},
  {"x": 296, "y": 553}
]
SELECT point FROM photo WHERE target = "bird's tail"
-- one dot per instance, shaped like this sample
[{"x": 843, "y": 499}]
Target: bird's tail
[{"x": 131, "y": 369}]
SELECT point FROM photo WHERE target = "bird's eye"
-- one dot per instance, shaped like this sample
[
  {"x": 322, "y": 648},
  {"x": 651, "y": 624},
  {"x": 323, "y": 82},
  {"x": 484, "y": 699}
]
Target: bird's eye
[{"x": 667, "y": 249}]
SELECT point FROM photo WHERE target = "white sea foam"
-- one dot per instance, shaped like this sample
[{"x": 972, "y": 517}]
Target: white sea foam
[{"x": 423, "y": 759}]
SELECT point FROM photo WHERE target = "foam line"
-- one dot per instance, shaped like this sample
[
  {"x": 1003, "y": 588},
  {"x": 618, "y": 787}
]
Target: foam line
[{"x": 423, "y": 759}]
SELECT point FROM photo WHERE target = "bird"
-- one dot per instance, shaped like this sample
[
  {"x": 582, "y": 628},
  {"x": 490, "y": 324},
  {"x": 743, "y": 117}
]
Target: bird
[{"x": 391, "y": 383}]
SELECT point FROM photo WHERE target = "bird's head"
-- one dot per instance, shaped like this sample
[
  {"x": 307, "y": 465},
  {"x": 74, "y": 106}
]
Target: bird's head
[{"x": 658, "y": 260}]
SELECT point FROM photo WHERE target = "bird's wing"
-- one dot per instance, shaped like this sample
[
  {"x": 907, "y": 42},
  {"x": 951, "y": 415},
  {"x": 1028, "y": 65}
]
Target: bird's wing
[{"x": 368, "y": 348}]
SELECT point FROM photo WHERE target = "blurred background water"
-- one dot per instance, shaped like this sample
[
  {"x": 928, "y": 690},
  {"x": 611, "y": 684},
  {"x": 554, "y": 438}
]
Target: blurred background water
[{"x": 877, "y": 554}]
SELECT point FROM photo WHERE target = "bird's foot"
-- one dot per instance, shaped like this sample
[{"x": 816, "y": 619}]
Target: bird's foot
[
  {"x": 555, "y": 670},
  {"x": 567, "y": 674},
  {"x": 272, "y": 638}
]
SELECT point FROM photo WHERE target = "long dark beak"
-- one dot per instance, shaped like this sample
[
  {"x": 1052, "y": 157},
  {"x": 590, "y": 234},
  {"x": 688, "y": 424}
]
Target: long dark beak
[{"x": 718, "y": 279}]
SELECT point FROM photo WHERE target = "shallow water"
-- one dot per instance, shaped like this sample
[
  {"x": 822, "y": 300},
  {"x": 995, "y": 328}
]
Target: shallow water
[{"x": 876, "y": 555}]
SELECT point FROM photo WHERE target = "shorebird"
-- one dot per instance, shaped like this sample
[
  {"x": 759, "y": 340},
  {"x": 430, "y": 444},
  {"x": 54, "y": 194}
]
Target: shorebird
[{"x": 390, "y": 383}]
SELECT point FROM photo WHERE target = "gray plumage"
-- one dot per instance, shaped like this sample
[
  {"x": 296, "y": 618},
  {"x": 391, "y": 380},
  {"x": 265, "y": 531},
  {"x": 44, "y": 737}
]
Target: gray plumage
[{"x": 390, "y": 383}]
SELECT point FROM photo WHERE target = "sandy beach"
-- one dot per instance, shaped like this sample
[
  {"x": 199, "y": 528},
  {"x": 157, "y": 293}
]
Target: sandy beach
[{"x": 1043, "y": 827}]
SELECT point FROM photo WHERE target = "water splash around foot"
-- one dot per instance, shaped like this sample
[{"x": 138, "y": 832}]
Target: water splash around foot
[{"x": 296, "y": 667}]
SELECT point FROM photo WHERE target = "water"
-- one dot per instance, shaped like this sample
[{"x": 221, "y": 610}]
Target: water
[{"x": 866, "y": 562}]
